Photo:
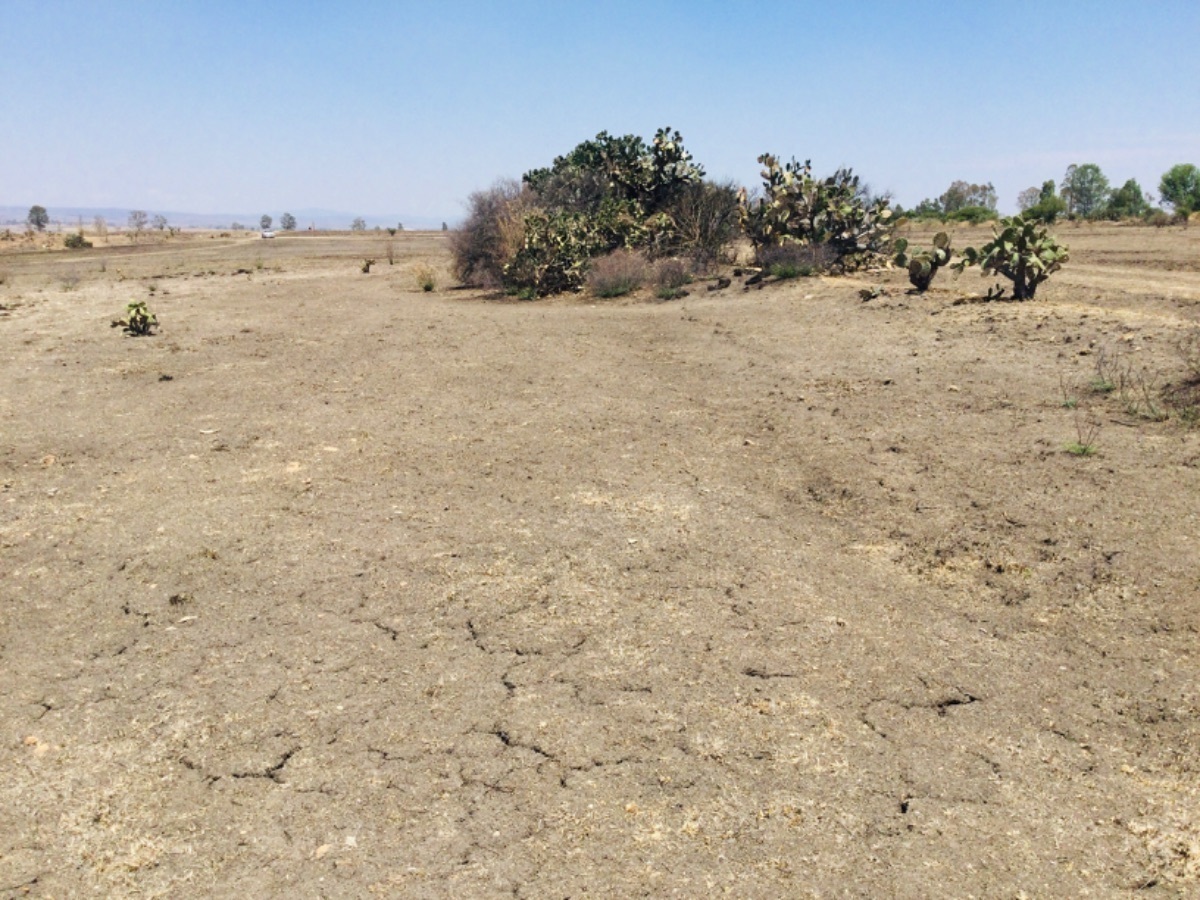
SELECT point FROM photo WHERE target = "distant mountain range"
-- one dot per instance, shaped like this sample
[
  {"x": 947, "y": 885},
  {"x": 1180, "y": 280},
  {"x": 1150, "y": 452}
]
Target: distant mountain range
[{"x": 322, "y": 219}]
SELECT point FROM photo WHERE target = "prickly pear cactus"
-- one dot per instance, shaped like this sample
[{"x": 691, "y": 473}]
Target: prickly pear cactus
[
  {"x": 923, "y": 266},
  {"x": 138, "y": 321},
  {"x": 797, "y": 207},
  {"x": 1020, "y": 250}
]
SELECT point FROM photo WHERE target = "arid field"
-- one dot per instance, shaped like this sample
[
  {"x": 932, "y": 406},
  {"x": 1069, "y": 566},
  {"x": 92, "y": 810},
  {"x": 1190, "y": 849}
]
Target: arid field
[{"x": 335, "y": 587}]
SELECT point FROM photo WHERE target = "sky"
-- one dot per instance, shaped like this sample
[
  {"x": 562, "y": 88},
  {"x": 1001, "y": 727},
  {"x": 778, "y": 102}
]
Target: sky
[{"x": 385, "y": 109}]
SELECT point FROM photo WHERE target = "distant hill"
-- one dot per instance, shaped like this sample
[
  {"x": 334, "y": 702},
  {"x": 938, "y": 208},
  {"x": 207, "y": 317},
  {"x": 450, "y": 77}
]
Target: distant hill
[{"x": 68, "y": 217}]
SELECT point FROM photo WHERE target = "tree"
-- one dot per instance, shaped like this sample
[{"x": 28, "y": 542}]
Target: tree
[
  {"x": 38, "y": 218},
  {"x": 265, "y": 222},
  {"x": 960, "y": 195},
  {"x": 100, "y": 226},
  {"x": 1180, "y": 187},
  {"x": 1028, "y": 198},
  {"x": 926, "y": 209},
  {"x": 358, "y": 224},
  {"x": 445, "y": 227},
  {"x": 399, "y": 226},
  {"x": 137, "y": 222},
  {"x": 159, "y": 222},
  {"x": 1085, "y": 189},
  {"x": 287, "y": 222},
  {"x": 1127, "y": 202},
  {"x": 1049, "y": 205}
]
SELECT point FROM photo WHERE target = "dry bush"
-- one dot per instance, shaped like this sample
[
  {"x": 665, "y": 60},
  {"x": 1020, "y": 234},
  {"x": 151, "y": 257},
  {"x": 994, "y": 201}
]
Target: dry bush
[
  {"x": 492, "y": 234},
  {"x": 792, "y": 259},
  {"x": 1189, "y": 353},
  {"x": 705, "y": 220},
  {"x": 1183, "y": 397},
  {"x": 426, "y": 279},
  {"x": 671, "y": 273},
  {"x": 619, "y": 273}
]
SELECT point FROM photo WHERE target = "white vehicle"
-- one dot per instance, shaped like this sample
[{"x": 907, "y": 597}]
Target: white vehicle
[{"x": 268, "y": 234}]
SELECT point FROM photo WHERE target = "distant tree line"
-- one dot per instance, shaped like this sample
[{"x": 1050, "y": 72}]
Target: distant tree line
[{"x": 1084, "y": 193}]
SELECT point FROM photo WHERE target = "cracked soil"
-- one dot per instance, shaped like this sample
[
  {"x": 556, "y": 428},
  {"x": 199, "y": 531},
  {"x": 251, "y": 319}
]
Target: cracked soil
[{"x": 337, "y": 588}]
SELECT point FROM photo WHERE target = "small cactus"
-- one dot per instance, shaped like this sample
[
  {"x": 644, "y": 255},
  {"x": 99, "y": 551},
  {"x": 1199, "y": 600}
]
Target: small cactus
[
  {"x": 923, "y": 266},
  {"x": 138, "y": 321}
]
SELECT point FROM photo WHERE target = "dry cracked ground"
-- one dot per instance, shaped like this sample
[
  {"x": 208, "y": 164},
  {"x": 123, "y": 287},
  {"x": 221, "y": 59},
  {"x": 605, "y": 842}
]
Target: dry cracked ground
[{"x": 337, "y": 588}]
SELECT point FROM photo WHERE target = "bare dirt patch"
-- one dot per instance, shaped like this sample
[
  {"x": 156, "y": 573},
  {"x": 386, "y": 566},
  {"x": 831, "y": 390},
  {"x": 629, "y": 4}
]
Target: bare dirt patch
[{"x": 339, "y": 587}]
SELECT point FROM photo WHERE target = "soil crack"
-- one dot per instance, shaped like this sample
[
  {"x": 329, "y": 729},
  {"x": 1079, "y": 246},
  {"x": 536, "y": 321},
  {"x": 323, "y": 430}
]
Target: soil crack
[{"x": 271, "y": 772}]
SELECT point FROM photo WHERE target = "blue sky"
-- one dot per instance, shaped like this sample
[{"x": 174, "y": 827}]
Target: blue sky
[{"x": 404, "y": 108}]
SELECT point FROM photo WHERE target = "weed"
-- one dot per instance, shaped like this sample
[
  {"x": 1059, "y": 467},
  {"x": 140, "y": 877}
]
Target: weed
[
  {"x": 618, "y": 274},
  {"x": 70, "y": 281},
  {"x": 426, "y": 280},
  {"x": 1138, "y": 390},
  {"x": 366, "y": 266},
  {"x": 1070, "y": 393},
  {"x": 138, "y": 321},
  {"x": 1183, "y": 397},
  {"x": 670, "y": 293},
  {"x": 258, "y": 263},
  {"x": 390, "y": 250},
  {"x": 1086, "y": 430},
  {"x": 103, "y": 264}
]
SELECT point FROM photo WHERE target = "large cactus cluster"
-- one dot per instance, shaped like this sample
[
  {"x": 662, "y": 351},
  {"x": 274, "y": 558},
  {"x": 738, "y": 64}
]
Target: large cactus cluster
[
  {"x": 606, "y": 193},
  {"x": 923, "y": 266},
  {"x": 796, "y": 207},
  {"x": 1022, "y": 251}
]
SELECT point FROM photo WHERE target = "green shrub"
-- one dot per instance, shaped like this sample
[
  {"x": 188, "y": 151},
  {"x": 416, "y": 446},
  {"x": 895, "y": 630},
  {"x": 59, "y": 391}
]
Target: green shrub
[
  {"x": 973, "y": 215},
  {"x": 76, "y": 241},
  {"x": 1020, "y": 251}
]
